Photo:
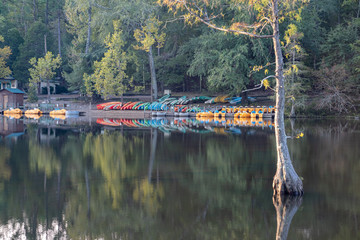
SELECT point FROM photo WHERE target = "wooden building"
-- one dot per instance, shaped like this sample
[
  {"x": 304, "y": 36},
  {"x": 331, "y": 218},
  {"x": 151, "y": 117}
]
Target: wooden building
[
  {"x": 10, "y": 127},
  {"x": 8, "y": 82},
  {"x": 11, "y": 98}
]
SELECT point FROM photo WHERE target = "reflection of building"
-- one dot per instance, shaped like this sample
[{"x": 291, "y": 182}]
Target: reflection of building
[
  {"x": 8, "y": 82},
  {"x": 11, "y": 98},
  {"x": 11, "y": 127}
]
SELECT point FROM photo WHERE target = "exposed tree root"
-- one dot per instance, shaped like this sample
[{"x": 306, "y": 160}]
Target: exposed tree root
[{"x": 287, "y": 182}]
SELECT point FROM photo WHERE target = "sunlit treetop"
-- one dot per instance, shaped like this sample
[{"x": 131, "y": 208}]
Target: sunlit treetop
[
  {"x": 44, "y": 68},
  {"x": 264, "y": 12},
  {"x": 150, "y": 34}
]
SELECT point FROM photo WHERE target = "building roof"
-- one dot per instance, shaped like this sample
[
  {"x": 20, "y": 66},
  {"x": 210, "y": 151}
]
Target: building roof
[
  {"x": 5, "y": 80},
  {"x": 8, "y": 78},
  {"x": 17, "y": 134},
  {"x": 13, "y": 90}
]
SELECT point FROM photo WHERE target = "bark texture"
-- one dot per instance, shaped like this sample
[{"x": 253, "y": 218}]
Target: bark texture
[
  {"x": 59, "y": 32},
  {"x": 154, "y": 95},
  {"x": 88, "y": 31},
  {"x": 286, "y": 181},
  {"x": 286, "y": 207},
  {"x": 48, "y": 90}
]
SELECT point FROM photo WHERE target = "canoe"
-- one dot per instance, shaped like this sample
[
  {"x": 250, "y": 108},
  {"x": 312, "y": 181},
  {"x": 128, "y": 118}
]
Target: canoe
[{"x": 103, "y": 105}]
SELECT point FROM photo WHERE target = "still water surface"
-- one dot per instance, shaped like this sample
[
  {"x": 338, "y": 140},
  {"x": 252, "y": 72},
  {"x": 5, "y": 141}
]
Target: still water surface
[{"x": 70, "y": 180}]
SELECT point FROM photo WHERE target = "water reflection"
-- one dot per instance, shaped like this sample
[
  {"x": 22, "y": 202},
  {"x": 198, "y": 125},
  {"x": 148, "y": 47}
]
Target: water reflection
[
  {"x": 135, "y": 183},
  {"x": 286, "y": 206},
  {"x": 229, "y": 126},
  {"x": 10, "y": 128}
]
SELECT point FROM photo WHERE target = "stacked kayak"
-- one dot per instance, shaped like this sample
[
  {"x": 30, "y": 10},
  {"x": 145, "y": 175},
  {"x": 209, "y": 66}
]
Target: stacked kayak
[
  {"x": 108, "y": 105},
  {"x": 162, "y": 104}
]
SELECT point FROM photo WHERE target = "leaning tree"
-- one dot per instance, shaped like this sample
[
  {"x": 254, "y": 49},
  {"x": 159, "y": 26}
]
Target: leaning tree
[{"x": 264, "y": 20}]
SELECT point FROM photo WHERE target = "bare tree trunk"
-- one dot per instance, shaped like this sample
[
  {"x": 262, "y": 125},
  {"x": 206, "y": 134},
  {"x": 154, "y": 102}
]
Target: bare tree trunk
[
  {"x": 47, "y": 13},
  {"x": 35, "y": 10},
  {"x": 286, "y": 207},
  {"x": 154, "y": 95},
  {"x": 88, "y": 31},
  {"x": 286, "y": 180},
  {"x": 45, "y": 45},
  {"x": 59, "y": 32},
  {"x": 358, "y": 12},
  {"x": 48, "y": 90},
  {"x": 292, "y": 113}
]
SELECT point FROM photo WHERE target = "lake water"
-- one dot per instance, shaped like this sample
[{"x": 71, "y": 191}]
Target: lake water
[{"x": 165, "y": 179}]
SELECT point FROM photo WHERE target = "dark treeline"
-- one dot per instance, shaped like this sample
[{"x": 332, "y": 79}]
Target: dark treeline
[{"x": 111, "y": 47}]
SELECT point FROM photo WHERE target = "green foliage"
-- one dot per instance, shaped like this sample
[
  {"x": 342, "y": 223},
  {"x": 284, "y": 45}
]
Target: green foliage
[
  {"x": 312, "y": 27},
  {"x": 354, "y": 63},
  {"x": 74, "y": 76},
  {"x": 43, "y": 69},
  {"x": 33, "y": 47},
  {"x": 109, "y": 77},
  {"x": 13, "y": 40},
  {"x": 5, "y": 53},
  {"x": 192, "y": 57},
  {"x": 221, "y": 59},
  {"x": 32, "y": 93},
  {"x": 149, "y": 34},
  {"x": 337, "y": 47}
]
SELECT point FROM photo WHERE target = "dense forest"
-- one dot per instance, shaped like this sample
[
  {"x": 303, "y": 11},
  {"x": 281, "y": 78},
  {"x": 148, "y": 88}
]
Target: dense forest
[{"x": 113, "y": 47}]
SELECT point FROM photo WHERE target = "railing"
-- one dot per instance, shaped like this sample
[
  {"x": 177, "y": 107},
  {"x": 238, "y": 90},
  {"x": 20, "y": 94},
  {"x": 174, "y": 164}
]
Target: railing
[{"x": 45, "y": 106}]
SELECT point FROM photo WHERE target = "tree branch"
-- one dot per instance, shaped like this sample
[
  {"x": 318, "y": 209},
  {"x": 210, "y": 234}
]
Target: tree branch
[
  {"x": 267, "y": 65},
  {"x": 99, "y": 6},
  {"x": 224, "y": 29},
  {"x": 259, "y": 85}
]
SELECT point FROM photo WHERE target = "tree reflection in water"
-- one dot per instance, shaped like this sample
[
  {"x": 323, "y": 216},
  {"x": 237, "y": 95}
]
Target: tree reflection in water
[
  {"x": 286, "y": 206},
  {"x": 101, "y": 184}
]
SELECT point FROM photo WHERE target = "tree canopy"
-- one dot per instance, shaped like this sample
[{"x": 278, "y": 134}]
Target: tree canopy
[{"x": 193, "y": 57}]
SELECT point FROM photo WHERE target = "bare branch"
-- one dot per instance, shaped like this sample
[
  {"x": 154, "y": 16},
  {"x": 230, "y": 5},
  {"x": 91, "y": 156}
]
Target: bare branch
[
  {"x": 259, "y": 85},
  {"x": 99, "y": 6},
  {"x": 225, "y": 29}
]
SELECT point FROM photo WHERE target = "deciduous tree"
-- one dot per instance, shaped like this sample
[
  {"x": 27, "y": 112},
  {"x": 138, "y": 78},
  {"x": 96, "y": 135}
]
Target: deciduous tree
[
  {"x": 147, "y": 36},
  {"x": 43, "y": 70},
  {"x": 267, "y": 14},
  {"x": 109, "y": 77}
]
